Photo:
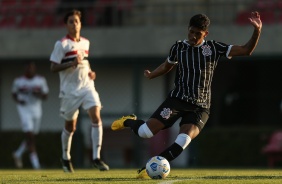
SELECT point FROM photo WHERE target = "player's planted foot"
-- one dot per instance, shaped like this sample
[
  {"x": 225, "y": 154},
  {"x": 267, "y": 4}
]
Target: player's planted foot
[
  {"x": 119, "y": 123},
  {"x": 142, "y": 174},
  {"x": 67, "y": 166},
  {"x": 18, "y": 161},
  {"x": 99, "y": 164}
]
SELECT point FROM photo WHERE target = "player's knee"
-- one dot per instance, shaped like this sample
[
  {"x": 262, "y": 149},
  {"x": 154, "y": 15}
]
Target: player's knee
[
  {"x": 144, "y": 131},
  {"x": 70, "y": 128},
  {"x": 183, "y": 140},
  {"x": 96, "y": 122}
]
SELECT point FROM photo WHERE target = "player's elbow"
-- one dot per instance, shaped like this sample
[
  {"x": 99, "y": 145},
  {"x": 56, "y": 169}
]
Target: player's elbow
[
  {"x": 53, "y": 68},
  {"x": 245, "y": 52}
]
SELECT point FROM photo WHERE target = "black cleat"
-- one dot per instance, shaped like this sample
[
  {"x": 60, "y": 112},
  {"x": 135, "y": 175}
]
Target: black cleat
[
  {"x": 67, "y": 166},
  {"x": 99, "y": 164}
]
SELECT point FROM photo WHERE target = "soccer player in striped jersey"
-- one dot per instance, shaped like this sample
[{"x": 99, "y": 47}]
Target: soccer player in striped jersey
[
  {"x": 195, "y": 59},
  {"x": 70, "y": 59}
]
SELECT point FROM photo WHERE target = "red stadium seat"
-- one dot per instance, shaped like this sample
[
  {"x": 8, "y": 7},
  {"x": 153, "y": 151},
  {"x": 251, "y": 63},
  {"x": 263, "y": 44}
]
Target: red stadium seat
[
  {"x": 28, "y": 2},
  {"x": 47, "y": 21},
  {"x": 264, "y": 5},
  {"x": 28, "y": 21},
  {"x": 8, "y": 2},
  {"x": 242, "y": 18},
  {"x": 279, "y": 5},
  {"x": 268, "y": 17},
  {"x": 6, "y": 6},
  {"x": 8, "y": 21},
  {"x": 273, "y": 150},
  {"x": 49, "y": 2},
  {"x": 279, "y": 18}
]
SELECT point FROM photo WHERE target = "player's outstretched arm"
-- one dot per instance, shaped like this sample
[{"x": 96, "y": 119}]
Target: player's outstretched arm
[
  {"x": 249, "y": 47},
  {"x": 160, "y": 70}
]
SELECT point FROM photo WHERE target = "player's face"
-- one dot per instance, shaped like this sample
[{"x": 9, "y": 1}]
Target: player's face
[
  {"x": 30, "y": 70},
  {"x": 196, "y": 36},
  {"x": 73, "y": 24}
]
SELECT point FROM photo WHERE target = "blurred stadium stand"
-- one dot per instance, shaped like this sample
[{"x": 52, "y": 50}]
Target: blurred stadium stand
[
  {"x": 45, "y": 13},
  {"x": 270, "y": 10}
]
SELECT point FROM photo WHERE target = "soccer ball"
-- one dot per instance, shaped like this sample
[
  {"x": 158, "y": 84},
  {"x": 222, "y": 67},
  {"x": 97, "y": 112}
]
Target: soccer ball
[{"x": 157, "y": 167}]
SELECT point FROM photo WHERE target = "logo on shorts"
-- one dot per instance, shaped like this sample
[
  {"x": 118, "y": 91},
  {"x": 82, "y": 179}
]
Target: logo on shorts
[{"x": 166, "y": 113}]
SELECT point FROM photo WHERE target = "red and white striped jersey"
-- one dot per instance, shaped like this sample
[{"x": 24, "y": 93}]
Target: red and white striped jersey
[
  {"x": 74, "y": 81},
  {"x": 25, "y": 87}
]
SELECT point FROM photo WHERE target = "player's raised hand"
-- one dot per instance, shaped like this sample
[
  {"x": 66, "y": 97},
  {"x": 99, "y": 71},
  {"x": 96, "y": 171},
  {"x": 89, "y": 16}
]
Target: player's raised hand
[
  {"x": 147, "y": 74},
  {"x": 255, "y": 20}
]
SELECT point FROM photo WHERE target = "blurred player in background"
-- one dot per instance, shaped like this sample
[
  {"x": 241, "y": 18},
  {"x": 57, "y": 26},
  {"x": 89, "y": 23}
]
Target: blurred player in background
[
  {"x": 28, "y": 91},
  {"x": 195, "y": 60},
  {"x": 70, "y": 59}
]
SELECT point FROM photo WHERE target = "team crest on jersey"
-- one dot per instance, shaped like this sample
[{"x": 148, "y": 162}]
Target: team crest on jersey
[
  {"x": 166, "y": 113},
  {"x": 206, "y": 50}
]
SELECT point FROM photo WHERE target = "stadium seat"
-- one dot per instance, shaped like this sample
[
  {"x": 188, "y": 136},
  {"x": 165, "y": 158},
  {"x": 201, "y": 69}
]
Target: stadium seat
[
  {"x": 27, "y": 2},
  {"x": 273, "y": 150},
  {"x": 8, "y": 2},
  {"x": 28, "y": 21},
  {"x": 8, "y": 21},
  {"x": 279, "y": 18},
  {"x": 268, "y": 17},
  {"x": 279, "y": 10},
  {"x": 47, "y": 21},
  {"x": 264, "y": 5},
  {"x": 242, "y": 18},
  {"x": 7, "y": 5},
  {"x": 51, "y": 3}
]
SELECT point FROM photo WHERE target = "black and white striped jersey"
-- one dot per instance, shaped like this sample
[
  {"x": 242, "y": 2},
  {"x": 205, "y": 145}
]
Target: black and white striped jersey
[{"x": 195, "y": 69}]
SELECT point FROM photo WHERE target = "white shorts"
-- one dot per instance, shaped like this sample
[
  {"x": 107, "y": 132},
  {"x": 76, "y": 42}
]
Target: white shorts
[
  {"x": 30, "y": 118},
  {"x": 70, "y": 106}
]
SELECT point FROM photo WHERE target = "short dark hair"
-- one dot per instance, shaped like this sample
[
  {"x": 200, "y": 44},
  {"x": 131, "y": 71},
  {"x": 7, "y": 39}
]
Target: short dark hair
[
  {"x": 200, "y": 21},
  {"x": 71, "y": 13}
]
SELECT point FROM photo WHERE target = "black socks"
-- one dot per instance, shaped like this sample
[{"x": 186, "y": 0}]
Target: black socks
[
  {"x": 133, "y": 124},
  {"x": 172, "y": 152}
]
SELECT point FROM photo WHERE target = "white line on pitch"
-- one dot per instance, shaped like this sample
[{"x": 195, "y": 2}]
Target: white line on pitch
[{"x": 168, "y": 182}]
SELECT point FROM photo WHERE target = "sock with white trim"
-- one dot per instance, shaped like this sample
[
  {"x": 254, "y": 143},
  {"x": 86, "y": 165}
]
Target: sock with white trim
[
  {"x": 96, "y": 137},
  {"x": 66, "y": 138}
]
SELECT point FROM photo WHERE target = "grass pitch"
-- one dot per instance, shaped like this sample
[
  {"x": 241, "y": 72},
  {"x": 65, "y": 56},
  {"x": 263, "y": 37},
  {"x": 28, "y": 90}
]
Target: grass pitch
[{"x": 117, "y": 176}]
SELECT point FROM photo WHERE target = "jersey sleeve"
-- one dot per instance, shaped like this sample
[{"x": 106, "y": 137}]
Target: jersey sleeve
[
  {"x": 223, "y": 49},
  {"x": 172, "y": 57},
  {"x": 58, "y": 53}
]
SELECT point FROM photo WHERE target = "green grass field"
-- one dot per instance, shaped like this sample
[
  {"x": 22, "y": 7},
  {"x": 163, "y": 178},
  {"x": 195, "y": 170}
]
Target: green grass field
[{"x": 116, "y": 176}]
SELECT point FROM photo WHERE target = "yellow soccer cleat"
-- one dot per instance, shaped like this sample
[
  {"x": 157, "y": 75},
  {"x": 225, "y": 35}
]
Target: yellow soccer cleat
[
  {"x": 119, "y": 123},
  {"x": 142, "y": 174}
]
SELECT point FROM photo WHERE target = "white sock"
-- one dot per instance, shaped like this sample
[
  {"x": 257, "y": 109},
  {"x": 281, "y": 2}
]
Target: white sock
[
  {"x": 66, "y": 138},
  {"x": 183, "y": 140},
  {"x": 144, "y": 131},
  {"x": 96, "y": 136},
  {"x": 21, "y": 149},
  {"x": 34, "y": 160}
]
